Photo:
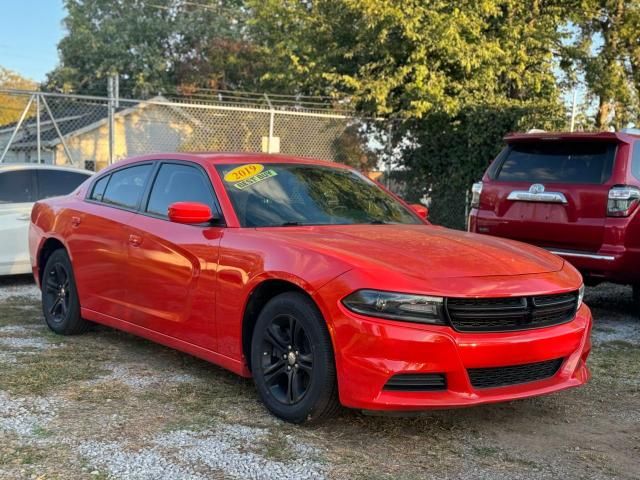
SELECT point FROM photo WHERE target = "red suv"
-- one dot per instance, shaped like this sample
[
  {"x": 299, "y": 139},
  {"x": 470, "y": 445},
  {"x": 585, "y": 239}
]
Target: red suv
[{"x": 575, "y": 194}]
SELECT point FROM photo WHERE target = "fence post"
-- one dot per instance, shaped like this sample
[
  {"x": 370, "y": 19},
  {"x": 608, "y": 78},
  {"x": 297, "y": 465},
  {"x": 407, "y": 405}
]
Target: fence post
[
  {"x": 272, "y": 117},
  {"x": 38, "y": 142},
  {"x": 57, "y": 129},
  {"x": 15, "y": 130},
  {"x": 110, "y": 94},
  {"x": 466, "y": 206},
  {"x": 389, "y": 149}
]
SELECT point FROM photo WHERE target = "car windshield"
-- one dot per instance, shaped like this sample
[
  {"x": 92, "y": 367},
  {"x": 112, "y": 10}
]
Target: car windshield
[{"x": 288, "y": 194}]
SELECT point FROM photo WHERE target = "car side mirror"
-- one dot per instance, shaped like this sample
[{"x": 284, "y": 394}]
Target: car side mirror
[
  {"x": 421, "y": 210},
  {"x": 191, "y": 213}
]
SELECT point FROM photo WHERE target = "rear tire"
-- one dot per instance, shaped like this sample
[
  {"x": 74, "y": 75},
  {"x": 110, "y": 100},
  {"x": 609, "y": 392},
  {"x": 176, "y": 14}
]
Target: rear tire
[
  {"x": 636, "y": 299},
  {"x": 292, "y": 360},
  {"x": 60, "y": 303}
]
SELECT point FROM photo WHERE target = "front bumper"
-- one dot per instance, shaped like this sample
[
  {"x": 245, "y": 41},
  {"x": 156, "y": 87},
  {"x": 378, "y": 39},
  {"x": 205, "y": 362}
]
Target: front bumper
[{"x": 369, "y": 351}]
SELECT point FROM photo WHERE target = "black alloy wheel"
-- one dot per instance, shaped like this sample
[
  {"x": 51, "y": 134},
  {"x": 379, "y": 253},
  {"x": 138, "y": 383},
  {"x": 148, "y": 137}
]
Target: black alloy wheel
[
  {"x": 287, "y": 360},
  {"x": 60, "y": 303},
  {"x": 292, "y": 360},
  {"x": 56, "y": 292}
]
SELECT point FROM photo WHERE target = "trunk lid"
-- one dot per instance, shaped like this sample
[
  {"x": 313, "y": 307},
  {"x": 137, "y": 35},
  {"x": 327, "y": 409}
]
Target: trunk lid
[{"x": 551, "y": 192}]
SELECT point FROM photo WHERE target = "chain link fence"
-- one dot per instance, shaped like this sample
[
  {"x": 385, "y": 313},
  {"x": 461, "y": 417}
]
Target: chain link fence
[{"x": 92, "y": 132}]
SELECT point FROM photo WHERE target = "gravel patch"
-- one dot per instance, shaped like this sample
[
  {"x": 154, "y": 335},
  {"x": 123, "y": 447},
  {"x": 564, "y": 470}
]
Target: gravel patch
[
  {"x": 141, "y": 376},
  {"x": 20, "y": 343},
  {"x": 229, "y": 451},
  {"x": 28, "y": 290},
  {"x": 615, "y": 318},
  {"x": 23, "y": 415},
  {"x": 144, "y": 464},
  {"x": 21, "y": 330}
]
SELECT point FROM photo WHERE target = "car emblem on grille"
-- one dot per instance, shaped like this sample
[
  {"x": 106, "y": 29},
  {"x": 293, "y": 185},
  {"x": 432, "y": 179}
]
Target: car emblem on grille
[{"x": 536, "y": 188}]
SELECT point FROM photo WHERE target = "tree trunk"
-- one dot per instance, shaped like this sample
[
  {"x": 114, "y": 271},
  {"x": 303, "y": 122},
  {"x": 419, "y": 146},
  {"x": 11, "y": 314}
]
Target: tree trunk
[{"x": 602, "y": 118}]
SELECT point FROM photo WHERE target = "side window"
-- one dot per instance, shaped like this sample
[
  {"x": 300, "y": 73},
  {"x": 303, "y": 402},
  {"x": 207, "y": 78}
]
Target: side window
[
  {"x": 99, "y": 188},
  {"x": 635, "y": 162},
  {"x": 17, "y": 186},
  {"x": 179, "y": 183},
  {"x": 52, "y": 183},
  {"x": 126, "y": 186}
]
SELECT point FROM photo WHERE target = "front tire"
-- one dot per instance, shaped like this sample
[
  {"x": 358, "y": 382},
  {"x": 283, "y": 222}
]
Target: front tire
[
  {"x": 60, "y": 304},
  {"x": 292, "y": 360}
]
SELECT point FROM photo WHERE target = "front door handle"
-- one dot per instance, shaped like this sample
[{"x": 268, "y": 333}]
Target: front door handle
[{"x": 135, "y": 240}]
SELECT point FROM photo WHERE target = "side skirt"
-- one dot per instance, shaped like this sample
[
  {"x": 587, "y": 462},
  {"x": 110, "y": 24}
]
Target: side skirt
[{"x": 223, "y": 361}]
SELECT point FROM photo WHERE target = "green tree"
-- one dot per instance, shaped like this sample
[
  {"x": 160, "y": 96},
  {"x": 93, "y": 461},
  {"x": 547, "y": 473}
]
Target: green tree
[
  {"x": 12, "y": 106},
  {"x": 607, "y": 53},
  {"x": 154, "y": 45},
  {"x": 410, "y": 58}
]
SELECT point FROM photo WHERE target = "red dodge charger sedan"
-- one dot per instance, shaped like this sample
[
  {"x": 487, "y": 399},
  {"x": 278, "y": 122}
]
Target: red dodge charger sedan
[{"x": 312, "y": 279}]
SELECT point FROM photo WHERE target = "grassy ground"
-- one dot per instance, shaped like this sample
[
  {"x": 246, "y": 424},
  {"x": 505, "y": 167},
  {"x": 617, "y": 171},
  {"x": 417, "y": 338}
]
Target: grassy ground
[{"x": 109, "y": 405}]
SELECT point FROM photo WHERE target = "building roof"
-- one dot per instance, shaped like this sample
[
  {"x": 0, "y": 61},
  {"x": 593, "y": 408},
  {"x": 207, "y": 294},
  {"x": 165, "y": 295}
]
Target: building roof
[{"x": 70, "y": 116}]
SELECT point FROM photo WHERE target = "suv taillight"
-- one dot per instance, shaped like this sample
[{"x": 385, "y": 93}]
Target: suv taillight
[
  {"x": 476, "y": 191},
  {"x": 622, "y": 201}
]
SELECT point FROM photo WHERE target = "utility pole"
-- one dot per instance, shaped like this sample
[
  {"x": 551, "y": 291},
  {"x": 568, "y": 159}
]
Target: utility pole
[
  {"x": 113, "y": 91},
  {"x": 573, "y": 110}
]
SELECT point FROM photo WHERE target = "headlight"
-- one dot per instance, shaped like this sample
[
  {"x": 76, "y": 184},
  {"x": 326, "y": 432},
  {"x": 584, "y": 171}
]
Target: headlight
[
  {"x": 580, "y": 295},
  {"x": 397, "y": 306}
]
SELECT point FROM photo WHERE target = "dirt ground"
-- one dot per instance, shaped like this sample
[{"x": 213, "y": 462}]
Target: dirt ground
[{"x": 110, "y": 405}]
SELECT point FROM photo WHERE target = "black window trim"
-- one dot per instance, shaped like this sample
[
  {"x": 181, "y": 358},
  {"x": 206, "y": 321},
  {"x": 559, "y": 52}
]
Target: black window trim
[
  {"x": 154, "y": 175},
  {"x": 495, "y": 174},
  {"x": 110, "y": 173},
  {"x": 140, "y": 209}
]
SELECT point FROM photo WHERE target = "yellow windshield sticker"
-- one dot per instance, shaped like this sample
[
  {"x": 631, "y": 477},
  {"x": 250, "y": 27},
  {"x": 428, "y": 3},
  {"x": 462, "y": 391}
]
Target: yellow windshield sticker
[
  {"x": 241, "y": 185},
  {"x": 243, "y": 172}
]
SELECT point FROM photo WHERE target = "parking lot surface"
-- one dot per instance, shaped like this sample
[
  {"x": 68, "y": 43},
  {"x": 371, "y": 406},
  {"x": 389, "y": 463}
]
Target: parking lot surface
[{"x": 110, "y": 405}]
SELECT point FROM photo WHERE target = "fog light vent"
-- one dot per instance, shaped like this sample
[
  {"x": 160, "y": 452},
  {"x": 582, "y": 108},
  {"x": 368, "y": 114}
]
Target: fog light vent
[{"x": 417, "y": 382}]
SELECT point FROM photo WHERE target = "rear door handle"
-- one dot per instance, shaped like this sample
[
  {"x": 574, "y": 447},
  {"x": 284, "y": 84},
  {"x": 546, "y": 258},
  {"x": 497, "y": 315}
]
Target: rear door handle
[
  {"x": 135, "y": 240},
  {"x": 75, "y": 221}
]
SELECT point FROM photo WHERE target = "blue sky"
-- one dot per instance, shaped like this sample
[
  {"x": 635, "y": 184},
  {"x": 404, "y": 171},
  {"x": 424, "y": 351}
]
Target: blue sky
[{"x": 29, "y": 34}]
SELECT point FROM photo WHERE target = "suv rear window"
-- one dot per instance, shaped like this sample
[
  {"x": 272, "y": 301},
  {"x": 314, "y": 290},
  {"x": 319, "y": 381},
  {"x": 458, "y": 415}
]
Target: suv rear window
[{"x": 561, "y": 162}]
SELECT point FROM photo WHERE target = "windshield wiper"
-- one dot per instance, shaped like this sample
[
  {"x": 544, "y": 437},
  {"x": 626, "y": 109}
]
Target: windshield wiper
[
  {"x": 378, "y": 222},
  {"x": 291, "y": 224}
]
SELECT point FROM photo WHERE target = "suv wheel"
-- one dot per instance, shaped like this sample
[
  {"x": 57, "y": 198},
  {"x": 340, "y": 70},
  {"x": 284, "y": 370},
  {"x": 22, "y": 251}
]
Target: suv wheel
[{"x": 292, "y": 360}]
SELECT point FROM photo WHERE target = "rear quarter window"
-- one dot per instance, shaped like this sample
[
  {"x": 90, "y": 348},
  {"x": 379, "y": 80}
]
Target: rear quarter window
[
  {"x": 126, "y": 186},
  {"x": 557, "y": 162}
]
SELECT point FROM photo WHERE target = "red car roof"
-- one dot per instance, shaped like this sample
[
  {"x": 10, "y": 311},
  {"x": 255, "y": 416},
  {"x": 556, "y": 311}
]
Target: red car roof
[
  {"x": 233, "y": 158},
  {"x": 610, "y": 136}
]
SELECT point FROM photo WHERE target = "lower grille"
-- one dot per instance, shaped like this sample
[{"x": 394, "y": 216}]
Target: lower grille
[
  {"x": 511, "y": 313},
  {"x": 417, "y": 382},
  {"x": 514, "y": 374}
]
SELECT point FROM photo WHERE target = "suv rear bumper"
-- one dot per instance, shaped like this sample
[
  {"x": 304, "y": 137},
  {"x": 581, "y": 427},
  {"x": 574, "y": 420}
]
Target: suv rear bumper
[
  {"x": 619, "y": 266},
  {"x": 611, "y": 263}
]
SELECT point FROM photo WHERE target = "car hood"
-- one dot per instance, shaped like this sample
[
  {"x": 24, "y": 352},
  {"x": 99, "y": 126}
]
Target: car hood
[{"x": 421, "y": 250}]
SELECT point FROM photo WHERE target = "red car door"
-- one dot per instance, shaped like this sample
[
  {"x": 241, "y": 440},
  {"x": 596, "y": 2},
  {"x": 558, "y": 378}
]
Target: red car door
[
  {"x": 98, "y": 239},
  {"x": 171, "y": 266}
]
